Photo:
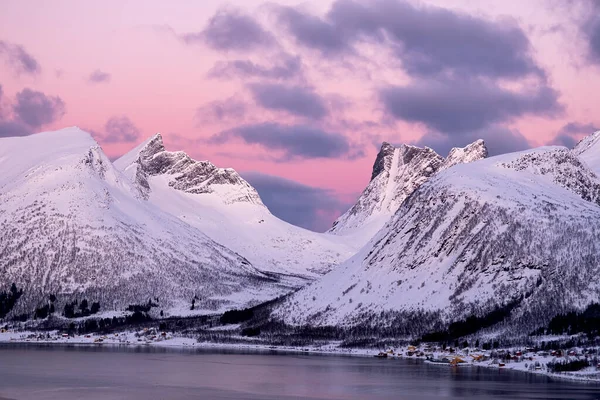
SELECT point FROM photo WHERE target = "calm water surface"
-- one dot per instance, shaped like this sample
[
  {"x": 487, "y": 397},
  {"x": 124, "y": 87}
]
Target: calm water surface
[{"x": 66, "y": 373}]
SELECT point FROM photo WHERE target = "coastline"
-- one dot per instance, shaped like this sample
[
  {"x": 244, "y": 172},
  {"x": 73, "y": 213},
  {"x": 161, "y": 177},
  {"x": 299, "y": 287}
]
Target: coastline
[{"x": 590, "y": 375}]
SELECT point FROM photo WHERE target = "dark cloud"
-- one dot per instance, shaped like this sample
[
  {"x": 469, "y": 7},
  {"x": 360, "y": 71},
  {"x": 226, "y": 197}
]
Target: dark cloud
[
  {"x": 37, "y": 109},
  {"x": 591, "y": 30},
  {"x": 232, "y": 30},
  {"x": 14, "y": 128},
  {"x": 297, "y": 100},
  {"x": 291, "y": 67},
  {"x": 295, "y": 141},
  {"x": 498, "y": 140},
  {"x": 98, "y": 77},
  {"x": 564, "y": 140},
  {"x": 466, "y": 105},
  {"x": 218, "y": 111},
  {"x": 120, "y": 130},
  {"x": 572, "y": 133},
  {"x": 306, "y": 206},
  {"x": 19, "y": 58},
  {"x": 428, "y": 40},
  {"x": 313, "y": 31},
  {"x": 578, "y": 128}
]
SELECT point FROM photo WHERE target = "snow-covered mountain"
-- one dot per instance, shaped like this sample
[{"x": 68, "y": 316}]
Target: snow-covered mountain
[
  {"x": 229, "y": 210},
  {"x": 73, "y": 225},
  {"x": 519, "y": 229},
  {"x": 397, "y": 172}
]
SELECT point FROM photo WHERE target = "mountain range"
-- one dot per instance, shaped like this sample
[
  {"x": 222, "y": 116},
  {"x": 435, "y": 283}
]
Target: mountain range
[
  {"x": 516, "y": 233},
  {"x": 430, "y": 241}
]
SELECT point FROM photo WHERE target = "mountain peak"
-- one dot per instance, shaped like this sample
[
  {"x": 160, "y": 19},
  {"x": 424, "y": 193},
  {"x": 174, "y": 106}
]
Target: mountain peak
[
  {"x": 397, "y": 172},
  {"x": 153, "y": 145},
  {"x": 184, "y": 173},
  {"x": 383, "y": 160},
  {"x": 462, "y": 155}
]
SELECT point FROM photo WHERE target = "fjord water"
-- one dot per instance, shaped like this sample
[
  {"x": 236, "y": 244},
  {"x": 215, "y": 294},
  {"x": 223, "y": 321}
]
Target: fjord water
[{"x": 74, "y": 372}]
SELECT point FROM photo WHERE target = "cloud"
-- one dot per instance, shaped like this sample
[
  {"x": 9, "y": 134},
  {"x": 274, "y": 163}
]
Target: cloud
[
  {"x": 232, "y": 30},
  {"x": 306, "y": 206},
  {"x": 120, "y": 129},
  {"x": 429, "y": 41},
  {"x": 14, "y": 128},
  {"x": 37, "y": 109},
  {"x": 466, "y": 105},
  {"x": 572, "y": 133},
  {"x": 590, "y": 29},
  {"x": 231, "y": 109},
  {"x": 498, "y": 140},
  {"x": 289, "y": 68},
  {"x": 19, "y": 59},
  {"x": 314, "y": 32},
  {"x": 99, "y": 77},
  {"x": 295, "y": 141},
  {"x": 297, "y": 100}
]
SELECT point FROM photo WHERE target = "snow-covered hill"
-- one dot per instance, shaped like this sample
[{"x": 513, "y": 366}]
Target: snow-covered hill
[
  {"x": 520, "y": 228},
  {"x": 73, "y": 225},
  {"x": 397, "y": 172},
  {"x": 229, "y": 210}
]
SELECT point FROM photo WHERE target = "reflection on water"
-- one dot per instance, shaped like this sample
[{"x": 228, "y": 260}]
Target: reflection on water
[{"x": 106, "y": 372}]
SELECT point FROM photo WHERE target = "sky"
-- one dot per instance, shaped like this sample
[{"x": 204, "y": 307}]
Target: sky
[{"x": 298, "y": 96}]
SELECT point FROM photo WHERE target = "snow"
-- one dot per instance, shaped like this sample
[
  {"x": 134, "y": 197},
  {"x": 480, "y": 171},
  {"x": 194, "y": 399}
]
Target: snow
[
  {"x": 529, "y": 362},
  {"x": 473, "y": 237},
  {"x": 588, "y": 150},
  {"x": 80, "y": 228},
  {"x": 397, "y": 172},
  {"x": 244, "y": 225}
]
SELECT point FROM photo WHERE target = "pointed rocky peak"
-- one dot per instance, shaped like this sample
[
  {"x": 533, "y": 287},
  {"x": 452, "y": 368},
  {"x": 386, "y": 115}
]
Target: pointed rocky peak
[
  {"x": 383, "y": 161},
  {"x": 462, "y": 155},
  {"x": 184, "y": 173},
  {"x": 397, "y": 173},
  {"x": 152, "y": 146}
]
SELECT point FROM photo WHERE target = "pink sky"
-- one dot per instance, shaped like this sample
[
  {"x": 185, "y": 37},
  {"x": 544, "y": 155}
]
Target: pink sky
[{"x": 159, "y": 82}]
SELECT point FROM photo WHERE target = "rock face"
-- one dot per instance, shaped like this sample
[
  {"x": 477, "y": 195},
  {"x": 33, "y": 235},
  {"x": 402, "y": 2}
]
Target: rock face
[
  {"x": 75, "y": 227},
  {"x": 220, "y": 203},
  {"x": 185, "y": 174},
  {"x": 519, "y": 229},
  {"x": 397, "y": 172}
]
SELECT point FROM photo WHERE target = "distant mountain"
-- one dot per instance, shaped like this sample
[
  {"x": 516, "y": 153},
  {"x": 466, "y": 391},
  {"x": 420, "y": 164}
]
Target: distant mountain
[
  {"x": 74, "y": 226},
  {"x": 228, "y": 209},
  {"x": 397, "y": 172},
  {"x": 517, "y": 233}
]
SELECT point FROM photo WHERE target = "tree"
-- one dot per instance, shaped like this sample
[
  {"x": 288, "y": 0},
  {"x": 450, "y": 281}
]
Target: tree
[
  {"x": 69, "y": 310},
  {"x": 95, "y": 307}
]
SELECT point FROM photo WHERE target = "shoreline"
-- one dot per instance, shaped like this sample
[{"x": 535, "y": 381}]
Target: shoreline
[{"x": 126, "y": 340}]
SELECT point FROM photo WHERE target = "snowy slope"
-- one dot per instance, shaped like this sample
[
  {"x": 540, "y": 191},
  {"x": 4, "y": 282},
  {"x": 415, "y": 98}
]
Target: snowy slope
[
  {"x": 74, "y": 226},
  {"x": 397, "y": 172},
  {"x": 588, "y": 150},
  {"x": 225, "y": 207},
  {"x": 521, "y": 227}
]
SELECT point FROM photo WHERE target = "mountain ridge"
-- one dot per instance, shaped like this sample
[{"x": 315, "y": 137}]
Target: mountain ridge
[{"x": 397, "y": 172}]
